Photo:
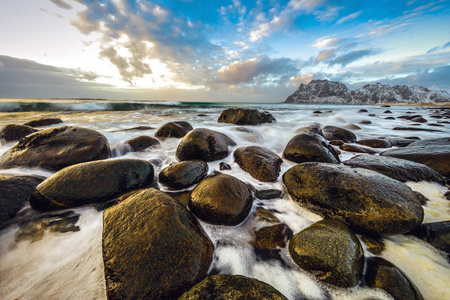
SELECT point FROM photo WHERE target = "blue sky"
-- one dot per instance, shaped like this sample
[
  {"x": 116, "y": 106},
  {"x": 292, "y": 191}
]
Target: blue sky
[{"x": 217, "y": 50}]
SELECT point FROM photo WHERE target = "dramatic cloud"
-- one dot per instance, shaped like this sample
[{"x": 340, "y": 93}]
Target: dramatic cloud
[{"x": 352, "y": 56}]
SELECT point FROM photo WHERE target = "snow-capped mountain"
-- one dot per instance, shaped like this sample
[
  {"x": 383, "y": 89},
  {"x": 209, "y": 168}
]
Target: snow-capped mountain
[{"x": 333, "y": 92}]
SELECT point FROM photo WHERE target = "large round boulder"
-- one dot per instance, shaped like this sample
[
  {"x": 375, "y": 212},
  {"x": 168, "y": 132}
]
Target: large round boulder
[
  {"x": 142, "y": 142},
  {"x": 245, "y": 116},
  {"x": 176, "y": 129},
  {"x": 91, "y": 182},
  {"x": 309, "y": 147},
  {"x": 56, "y": 148},
  {"x": 14, "y": 132},
  {"x": 153, "y": 248},
  {"x": 436, "y": 157},
  {"x": 400, "y": 169},
  {"x": 14, "y": 193},
  {"x": 232, "y": 287},
  {"x": 204, "y": 144},
  {"x": 262, "y": 163},
  {"x": 183, "y": 174},
  {"x": 43, "y": 122},
  {"x": 337, "y": 133},
  {"x": 329, "y": 250},
  {"x": 384, "y": 275},
  {"x": 375, "y": 143},
  {"x": 221, "y": 199},
  {"x": 369, "y": 202}
]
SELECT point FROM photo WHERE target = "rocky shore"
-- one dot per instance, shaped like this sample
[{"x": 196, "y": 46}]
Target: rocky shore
[{"x": 153, "y": 242}]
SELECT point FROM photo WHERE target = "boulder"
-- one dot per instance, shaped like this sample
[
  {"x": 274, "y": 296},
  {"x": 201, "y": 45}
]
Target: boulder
[
  {"x": 356, "y": 148},
  {"x": 153, "y": 248},
  {"x": 137, "y": 128},
  {"x": 56, "y": 148},
  {"x": 308, "y": 147},
  {"x": 262, "y": 163},
  {"x": 91, "y": 182},
  {"x": 400, "y": 169},
  {"x": 415, "y": 129},
  {"x": 183, "y": 174},
  {"x": 437, "y": 234},
  {"x": 245, "y": 116},
  {"x": 330, "y": 251},
  {"x": 369, "y": 202},
  {"x": 436, "y": 157},
  {"x": 221, "y": 199},
  {"x": 224, "y": 166},
  {"x": 176, "y": 129},
  {"x": 268, "y": 194},
  {"x": 400, "y": 142},
  {"x": 14, "y": 132},
  {"x": 375, "y": 143},
  {"x": 432, "y": 142},
  {"x": 384, "y": 275},
  {"x": 313, "y": 128},
  {"x": 337, "y": 133},
  {"x": 272, "y": 237},
  {"x": 142, "y": 142},
  {"x": 204, "y": 144},
  {"x": 352, "y": 127},
  {"x": 419, "y": 120},
  {"x": 232, "y": 287},
  {"x": 43, "y": 122},
  {"x": 14, "y": 193}
]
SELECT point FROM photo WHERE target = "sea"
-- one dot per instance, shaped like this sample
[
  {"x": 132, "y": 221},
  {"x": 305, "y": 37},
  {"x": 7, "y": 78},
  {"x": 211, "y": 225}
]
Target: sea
[{"x": 69, "y": 265}]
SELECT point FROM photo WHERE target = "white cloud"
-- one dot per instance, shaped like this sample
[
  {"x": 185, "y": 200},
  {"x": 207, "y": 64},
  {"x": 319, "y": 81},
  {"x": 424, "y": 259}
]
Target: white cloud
[
  {"x": 349, "y": 17},
  {"x": 326, "y": 41}
]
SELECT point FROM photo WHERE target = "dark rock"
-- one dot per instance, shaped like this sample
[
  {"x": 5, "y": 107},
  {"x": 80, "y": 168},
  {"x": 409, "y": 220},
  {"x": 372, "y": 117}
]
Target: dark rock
[
  {"x": 224, "y": 166},
  {"x": 436, "y": 157},
  {"x": 337, "y": 142},
  {"x": 91, "y": 182},
  {"x": 400, "y": 142},
  {"x": 447, "y": 194},
  {"x": 362, "y": 110},
  {"x": 387, "y": 112},
  {"x": 183, "y": 174},
  {"x": 423, "y": 200},
  {"x": 337, "y": 133},
  {"x": 264, "y": 215},
  {"x": 232, "y": 287},
  {"x": 261, "y": 163},
  {"x": 14, "y": 193},
  {"x": 330, "y": 251},
  {"x": 375, "y": 143},
  {"x": 153, "y": 248},
  {"x": 352, "y": 127},
  {"x": 356, "y": 148},
  {"x": 268, "y": 194},
  {"x": 436, "y": 233},
  {"x": 372, "y": 115},
  {"x": 142, "y": 142},
  {"x": 245, "y": 116},
  {"x": 419, "y": 120},
  {"x": 374, "y": 245},
  {"x": 202, "y": 115},
  {"x": 365, "y": 122},
  {"x": 369, "y": 202},
  {"x": 204, "y": 144},
  {"x": 400, "y": 169},
  {"x": 317, "y": 112},
  {"x": 385, "y": 106},
  {"x": 416, "y": 129},
  {"x": 389, "y": 118},
  {"x": 384, "y": 275},
  {"x": 272, "y": 237},
  {"x": 43, "y": 122},
  {"x": 182, "y": 197},
  {"x": 436, "y": 125},
  {"x": 309, "y": 147},
  {"x": 173, "y": 130},
  {"x": 432, "y": 142},
  {"x": 221, "y": 199},
  {"x": 56, "y": 148},
  {"x": 14, "y": 132},
  {"x": 313, "y": 128},
  {"x": 138, "y": 128}
]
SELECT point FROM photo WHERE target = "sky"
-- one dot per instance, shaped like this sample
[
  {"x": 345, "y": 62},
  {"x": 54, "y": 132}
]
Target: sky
[{"x": 246, "y": 51}]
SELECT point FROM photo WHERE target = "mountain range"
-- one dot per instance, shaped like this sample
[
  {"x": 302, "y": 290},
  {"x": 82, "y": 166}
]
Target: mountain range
[{"x": 334, "y": 92}]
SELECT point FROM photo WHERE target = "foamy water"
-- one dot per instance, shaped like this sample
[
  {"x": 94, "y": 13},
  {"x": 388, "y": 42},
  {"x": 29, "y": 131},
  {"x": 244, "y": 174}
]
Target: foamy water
[{"x": 69, "y": 265}]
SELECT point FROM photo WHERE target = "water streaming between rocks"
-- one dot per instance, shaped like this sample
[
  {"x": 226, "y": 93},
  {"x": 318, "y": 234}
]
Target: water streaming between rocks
[{"x": 49, "y": 264}]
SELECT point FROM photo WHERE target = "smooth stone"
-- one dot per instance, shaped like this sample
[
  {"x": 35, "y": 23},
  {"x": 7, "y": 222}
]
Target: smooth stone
[
  {"x": 14, "y": 193},
  {"x": 352, "y": 127},
  {"x": 308, "y": 147},
  {"x": 268, "y": 194},
  {"x": 400, "y": 169},
  {"x": 142, "y": 142},
  {"x": 400, "y": 142},
  {"x": 374, "y": 245},
  {"x": 204, "y": 144},
  {"x": 313, "y": 128},
  {"x": 245, "y": 116},
  {"x": 272, "y": 237},
  {"x": 56, "y": 148},
  {"x": 137, "y": 128},
  {"x": 384, "y": 275},
  {"x": 261, "y": 163},
  {"x": 14, "y": 132},
  {"x": 415, "y": 129},
  {"x": 419, "y": 120},
  {"x": 375, "y": 143},
  {"x": 437, "y": 234},
  {"x": 232, "y": 287},
  {"x": 183, "y": 174},
  {"x": 365, "y": 122},
  {"x": 338, "y": 133},
  {"x": 432, "y": 142},
  {"x": 224, "y": 166},
  {"x": 176, "y": 129},
  {"x": 357, "y": 149},
  {"x": 43, "y": 122},
  {"x": 153, "y": 248},
  {"x": 330, "y": 251},
  {"x": 221, "y": 199},
  {"x": 362, "y": 110},
  {"x": 435, "y": 156},
  {"x": 91, "y": 182},
  {"x": 369, "y": 202}
]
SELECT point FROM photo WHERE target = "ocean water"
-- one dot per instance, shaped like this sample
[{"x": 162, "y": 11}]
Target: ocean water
[{"x": 69, "y": 265}]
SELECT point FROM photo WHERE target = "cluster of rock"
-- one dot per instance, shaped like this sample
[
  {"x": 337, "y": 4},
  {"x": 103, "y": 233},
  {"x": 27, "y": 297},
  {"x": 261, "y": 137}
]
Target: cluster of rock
[
  {"x": 333, "y": 92},
  {"x": 153, "y": 245}
]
